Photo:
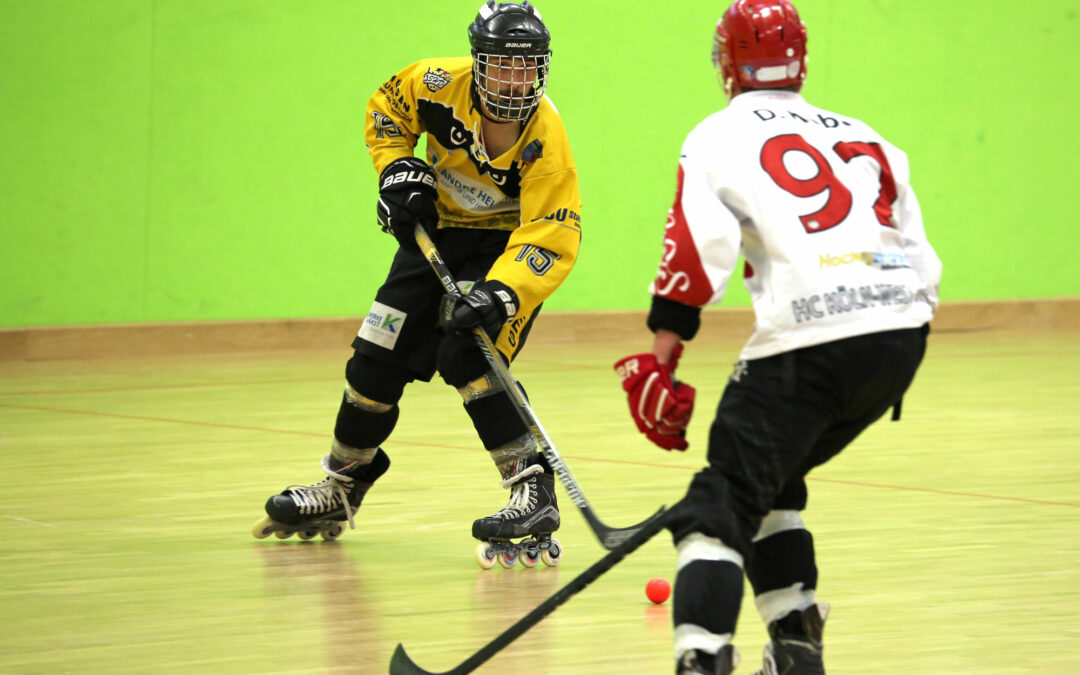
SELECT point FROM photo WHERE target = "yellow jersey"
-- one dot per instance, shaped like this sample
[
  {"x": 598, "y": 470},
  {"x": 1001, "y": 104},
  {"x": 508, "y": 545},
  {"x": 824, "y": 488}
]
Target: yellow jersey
[{"x": 530, "y": 190}]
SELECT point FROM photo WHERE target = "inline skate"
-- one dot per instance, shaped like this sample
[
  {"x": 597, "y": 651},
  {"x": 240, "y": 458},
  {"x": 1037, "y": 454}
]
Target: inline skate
[
  {"x": 531, "y": 515},
  {"x": 323, "y": 508}
]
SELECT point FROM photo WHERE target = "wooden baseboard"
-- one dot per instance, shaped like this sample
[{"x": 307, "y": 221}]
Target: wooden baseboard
[{"x": 725, "y": 324}]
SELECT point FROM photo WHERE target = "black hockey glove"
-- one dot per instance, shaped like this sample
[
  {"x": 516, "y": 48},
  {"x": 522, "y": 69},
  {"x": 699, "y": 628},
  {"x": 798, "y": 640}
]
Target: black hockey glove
[
  {"x": 489, "y": 304},
  {"x": 407, "y": 197}
]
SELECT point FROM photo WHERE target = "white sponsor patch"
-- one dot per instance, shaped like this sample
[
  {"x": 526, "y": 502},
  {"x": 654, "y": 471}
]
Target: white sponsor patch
[
  {"x": 382, "y": 325},
  {"x": 472, "y": 195}
]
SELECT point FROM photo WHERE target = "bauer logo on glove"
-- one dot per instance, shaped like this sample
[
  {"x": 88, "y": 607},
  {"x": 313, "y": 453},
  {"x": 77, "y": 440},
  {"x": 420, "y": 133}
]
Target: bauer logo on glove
[
  {"x": 419, "y": 178},
  {"x": 488, "y": 305},
  {"x": 407, "y": 198},
  {"x": 660, "y": 406}
]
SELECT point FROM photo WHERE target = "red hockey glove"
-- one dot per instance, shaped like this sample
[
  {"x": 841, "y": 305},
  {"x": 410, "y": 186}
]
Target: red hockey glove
[{"x": 660, "y": 406}]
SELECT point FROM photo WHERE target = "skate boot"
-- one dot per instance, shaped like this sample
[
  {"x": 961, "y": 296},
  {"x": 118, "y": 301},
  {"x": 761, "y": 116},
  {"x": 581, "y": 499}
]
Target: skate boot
[
  {"x": 533, "y": 513},
  {"x": 694, "y": 662},
  {"x": 322, "y": 508},
  {"x": 796, "y": 643}
]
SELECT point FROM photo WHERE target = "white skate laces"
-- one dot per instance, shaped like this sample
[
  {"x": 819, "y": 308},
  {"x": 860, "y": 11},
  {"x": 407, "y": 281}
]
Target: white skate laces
[
  {"x": 324, "y": 496},
  {"x": 522, "y": 496},
  {"x": 533, "y": 470}
]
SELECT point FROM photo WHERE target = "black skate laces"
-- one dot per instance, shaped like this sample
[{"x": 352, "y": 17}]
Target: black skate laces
[{"x": 323, "y": 496}]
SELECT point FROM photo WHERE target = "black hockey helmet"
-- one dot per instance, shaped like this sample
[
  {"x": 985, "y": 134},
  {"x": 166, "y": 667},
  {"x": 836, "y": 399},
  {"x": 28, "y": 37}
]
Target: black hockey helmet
[
  {"x": 509, "y": 29},
  {"x": 511, "y": 59}
]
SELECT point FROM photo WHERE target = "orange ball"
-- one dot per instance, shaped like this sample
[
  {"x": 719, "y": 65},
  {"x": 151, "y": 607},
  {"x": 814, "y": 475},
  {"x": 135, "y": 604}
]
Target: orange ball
[{"x": 658, "y": 590}]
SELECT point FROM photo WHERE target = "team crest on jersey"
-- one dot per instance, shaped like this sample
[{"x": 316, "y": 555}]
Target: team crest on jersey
[
  {"x": 436, "y": 78},
  {"x": 532, "y": 151}
]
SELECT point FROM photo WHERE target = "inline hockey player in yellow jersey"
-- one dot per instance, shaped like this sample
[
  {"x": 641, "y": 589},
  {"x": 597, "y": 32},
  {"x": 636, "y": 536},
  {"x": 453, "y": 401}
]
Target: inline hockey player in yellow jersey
[{"x": 498, "y": 195}]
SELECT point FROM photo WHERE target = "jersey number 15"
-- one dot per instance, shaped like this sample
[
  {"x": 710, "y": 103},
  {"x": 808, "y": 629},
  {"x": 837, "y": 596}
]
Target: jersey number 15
[{"x": 838, "y": 206}]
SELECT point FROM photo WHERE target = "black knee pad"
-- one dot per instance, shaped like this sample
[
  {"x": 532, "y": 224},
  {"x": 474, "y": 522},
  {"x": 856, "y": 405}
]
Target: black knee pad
[
  {"x": 460, "y": 360},
  {"x": 494, "y": 415},
  {"x": 496, "y": 420},
  {"x": 712, "y": 507},
  {"x": 361, "y": 428},
  {"x": 366, "y": 418},
  {"x": 378, "y": 381},
  {"x": 781, "y": 560}
]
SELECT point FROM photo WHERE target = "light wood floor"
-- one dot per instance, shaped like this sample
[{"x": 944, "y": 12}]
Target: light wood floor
[{"x": 947, "y": 543}]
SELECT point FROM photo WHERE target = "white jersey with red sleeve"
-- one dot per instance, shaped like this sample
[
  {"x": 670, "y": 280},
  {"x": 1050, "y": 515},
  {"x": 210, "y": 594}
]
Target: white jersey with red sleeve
[{"x": 821, "y": 208}]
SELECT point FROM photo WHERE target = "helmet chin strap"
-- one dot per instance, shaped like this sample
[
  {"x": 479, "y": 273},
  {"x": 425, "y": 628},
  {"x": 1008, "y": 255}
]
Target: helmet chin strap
[{"x": 727, "y": 83}]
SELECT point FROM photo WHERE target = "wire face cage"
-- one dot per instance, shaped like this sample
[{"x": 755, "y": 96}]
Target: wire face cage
[{"x": 510, "y": 87}]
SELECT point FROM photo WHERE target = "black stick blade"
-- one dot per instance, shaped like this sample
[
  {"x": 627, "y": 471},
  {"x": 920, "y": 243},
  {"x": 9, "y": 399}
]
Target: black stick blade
[
  {"x": 611, "y": 537},
  {"x": 401, "y": 664}
]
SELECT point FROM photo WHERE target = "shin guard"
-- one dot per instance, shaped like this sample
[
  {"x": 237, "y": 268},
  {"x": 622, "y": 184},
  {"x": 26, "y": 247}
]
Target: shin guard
[
  {"x": 362, "y": 425},
  {"x": 708, "y": 594},
  {"x": 782, "y": 567},
  {"x": 494, "y": 415}
]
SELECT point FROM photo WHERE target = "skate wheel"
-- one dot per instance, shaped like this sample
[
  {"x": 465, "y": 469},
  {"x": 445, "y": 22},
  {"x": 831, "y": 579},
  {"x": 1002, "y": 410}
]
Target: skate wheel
[
  {"x": 262, "y": 528},
  {"x": 307, "y": 535},
  {"x": 552, "y": 555},
  {"x": 529, "y": 557},
  {"x": 333, "y": 532},
  {"x": 507, "y": 560},
  {"x": 485, "y": 557},
  {"x": 283, "y": 534}
]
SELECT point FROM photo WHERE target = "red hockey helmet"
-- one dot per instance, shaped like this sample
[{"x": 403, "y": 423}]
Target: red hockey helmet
[{"x": 759, "y": 44}]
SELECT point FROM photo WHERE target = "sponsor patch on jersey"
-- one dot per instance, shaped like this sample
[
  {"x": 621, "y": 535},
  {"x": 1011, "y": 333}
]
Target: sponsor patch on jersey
[
  {"x": 561, "y": 216},
  {"x": 391, "y": 89},
  {"x": 890, "y": 261},
  {"x": 382, "y": 325},
  {"x": 472, "y": 195},
  {"x": 886, "y": 261},
  {"x": 436, "y": 78}
]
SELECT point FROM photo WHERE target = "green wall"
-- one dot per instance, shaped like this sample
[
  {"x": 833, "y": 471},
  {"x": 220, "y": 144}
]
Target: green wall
[{"x": 175, "y": 160}]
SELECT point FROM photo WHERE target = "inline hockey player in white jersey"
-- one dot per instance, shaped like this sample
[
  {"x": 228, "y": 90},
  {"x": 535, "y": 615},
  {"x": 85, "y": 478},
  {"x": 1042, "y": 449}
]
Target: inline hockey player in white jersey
[{"x": 844, "y": 284}]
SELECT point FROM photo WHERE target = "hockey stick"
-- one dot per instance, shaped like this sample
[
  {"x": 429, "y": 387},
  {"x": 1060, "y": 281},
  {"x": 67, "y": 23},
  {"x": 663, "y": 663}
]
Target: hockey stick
[
  {"x": 609, "y": 537},
  {"x": 401, "y": 664}
]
